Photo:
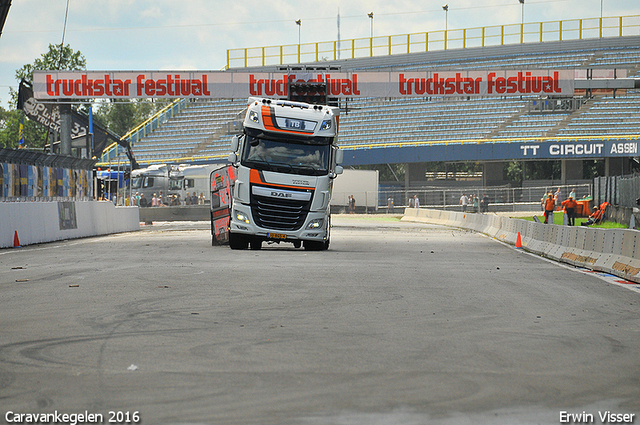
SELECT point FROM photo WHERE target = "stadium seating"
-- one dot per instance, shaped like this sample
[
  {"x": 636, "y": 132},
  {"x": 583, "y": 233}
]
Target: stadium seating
[{"x": 202, "y": 129}]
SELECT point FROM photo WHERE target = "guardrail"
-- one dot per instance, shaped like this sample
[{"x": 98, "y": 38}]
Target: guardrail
[
  {"x": 614, "y": 251},
  {"x": 497, "y": 35}
]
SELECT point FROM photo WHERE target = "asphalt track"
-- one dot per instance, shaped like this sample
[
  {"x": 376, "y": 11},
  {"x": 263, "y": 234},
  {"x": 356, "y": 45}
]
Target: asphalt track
[{"x": 398, "y": 323}]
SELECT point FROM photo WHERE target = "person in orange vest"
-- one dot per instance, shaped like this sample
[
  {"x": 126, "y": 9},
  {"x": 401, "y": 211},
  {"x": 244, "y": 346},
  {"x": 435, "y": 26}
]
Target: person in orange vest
[
  {"x": 549, "y": 206},
  {"x": 594, "y": 218},
  {"x": 570, "y": 209}
]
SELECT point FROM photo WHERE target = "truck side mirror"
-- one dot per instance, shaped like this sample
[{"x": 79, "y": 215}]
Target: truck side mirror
[
  {"x": 339, "y": 156},
  {"x": 233, "y": 158},
  {"x": 235, "y": 142},
  {"x": 336, "y": 171}
]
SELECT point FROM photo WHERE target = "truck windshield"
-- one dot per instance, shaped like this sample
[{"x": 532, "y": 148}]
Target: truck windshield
[
  {"x": 136, "y": 182},
  {"x": 294, "y": 158}
]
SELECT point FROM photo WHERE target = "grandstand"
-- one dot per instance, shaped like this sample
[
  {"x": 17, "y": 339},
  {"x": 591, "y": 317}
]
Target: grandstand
[{"x": 202, "y": 131}]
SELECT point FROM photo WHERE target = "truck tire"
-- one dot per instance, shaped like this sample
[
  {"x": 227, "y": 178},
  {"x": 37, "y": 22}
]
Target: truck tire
[
  {"x": 255, "y": 244},
  {"x": 315, "y": 246},
  {"x": 238, "y": 241}
]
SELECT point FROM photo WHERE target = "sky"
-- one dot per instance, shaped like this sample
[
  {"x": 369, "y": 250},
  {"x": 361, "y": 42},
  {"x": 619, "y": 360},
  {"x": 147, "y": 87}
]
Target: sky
[{"x": 196, "y": 34}]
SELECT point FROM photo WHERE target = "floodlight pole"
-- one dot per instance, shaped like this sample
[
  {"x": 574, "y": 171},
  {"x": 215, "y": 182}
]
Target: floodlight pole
[
  {"x": 299, "y": 24},
  {"x": 370, "y": 15},
  {"x": 446, "y": 23},
  {"x": 446, "y": 16}
]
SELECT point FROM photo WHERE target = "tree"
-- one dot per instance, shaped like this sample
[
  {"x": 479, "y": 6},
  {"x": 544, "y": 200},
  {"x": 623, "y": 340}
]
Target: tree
[
  {"x": 35, "y": 135},
  {"x": 53, "y": 59},
  {"x": 121, "y": 116}
]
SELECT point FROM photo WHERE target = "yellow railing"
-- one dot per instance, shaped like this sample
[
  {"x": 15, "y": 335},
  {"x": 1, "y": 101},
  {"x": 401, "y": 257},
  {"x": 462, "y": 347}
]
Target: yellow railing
[
  {"x": 378, "y": 145},
  {"x": 142, "y": 130},
  {"x": 497, "y": 35}
]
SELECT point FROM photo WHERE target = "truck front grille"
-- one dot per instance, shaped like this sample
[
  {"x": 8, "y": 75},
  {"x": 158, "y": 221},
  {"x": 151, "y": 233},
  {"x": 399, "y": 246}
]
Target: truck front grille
[{"x": 279, "y": 214}]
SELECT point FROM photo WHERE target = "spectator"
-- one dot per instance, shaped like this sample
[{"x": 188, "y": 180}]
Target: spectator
[
  {"x": 411, "y": 202},
  {"x": 187, "y": 199},
  {"x": 201, "y": 199},
  {"x": 558, "y": 197},
  {"x": 543, "y": 200},
  {"x": 143, "y": 201},
  {"x": 463, "y": 201},
  {"x": 416, "y": 201},
  {"x": 484, "y": 203},
  {"x": 389, "y": 205}
]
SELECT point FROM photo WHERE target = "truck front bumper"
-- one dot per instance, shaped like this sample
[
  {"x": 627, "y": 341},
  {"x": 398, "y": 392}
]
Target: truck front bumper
[{"x": 314, "y": 228}]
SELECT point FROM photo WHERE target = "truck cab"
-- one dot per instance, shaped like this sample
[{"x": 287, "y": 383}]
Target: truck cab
[{"x": 286, "y": 160}]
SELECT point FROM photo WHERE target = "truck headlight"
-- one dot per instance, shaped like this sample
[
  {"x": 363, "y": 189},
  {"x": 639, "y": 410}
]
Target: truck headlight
[
  {"x": 315, "y": 224},
  {"x": 242, "y": 217},
  {"x": 326, "y": 125},
  {"x": 253, "y": 116}
]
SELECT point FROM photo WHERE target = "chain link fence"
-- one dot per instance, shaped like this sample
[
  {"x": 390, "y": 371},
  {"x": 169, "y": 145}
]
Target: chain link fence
[
  {"x": 622, "y": 191},
  {"x": 500, "y": 198}
]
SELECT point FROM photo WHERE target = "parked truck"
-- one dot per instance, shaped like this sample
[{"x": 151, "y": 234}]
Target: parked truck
[
  {"x": 286, "y": 160},
  {"x": 172, "y": 180}
]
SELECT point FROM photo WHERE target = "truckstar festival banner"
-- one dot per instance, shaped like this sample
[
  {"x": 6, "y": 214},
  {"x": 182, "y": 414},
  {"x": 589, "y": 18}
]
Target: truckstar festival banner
[{"x": 225, "y": 84}]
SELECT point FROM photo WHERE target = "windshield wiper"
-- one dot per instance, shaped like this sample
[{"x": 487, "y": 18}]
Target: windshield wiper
[
  {"x": 271, "y": 165},
  {"x": 313, "y": 168}
]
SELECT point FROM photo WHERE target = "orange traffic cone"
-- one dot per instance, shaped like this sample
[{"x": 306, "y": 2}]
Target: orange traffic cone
[
  {"x": 519, "y": 241},
  {"x": 16, "y": 241}
]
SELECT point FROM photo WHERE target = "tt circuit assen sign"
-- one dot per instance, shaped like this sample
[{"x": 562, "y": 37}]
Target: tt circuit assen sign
[{"x": 224, "y": 84}]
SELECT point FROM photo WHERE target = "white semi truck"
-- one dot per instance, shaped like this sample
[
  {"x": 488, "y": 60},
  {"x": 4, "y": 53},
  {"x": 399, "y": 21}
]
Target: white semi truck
[
  {"x": 171, "y": 180},
  {"x": 286, "y": 160}
]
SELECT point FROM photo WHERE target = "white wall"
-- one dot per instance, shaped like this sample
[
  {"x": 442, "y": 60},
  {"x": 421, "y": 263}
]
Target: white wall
[{"x": 38, "y": 222}]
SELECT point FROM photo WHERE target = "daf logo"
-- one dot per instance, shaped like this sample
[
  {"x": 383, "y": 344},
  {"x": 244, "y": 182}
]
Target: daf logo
[{"x": 280, "y": 194}]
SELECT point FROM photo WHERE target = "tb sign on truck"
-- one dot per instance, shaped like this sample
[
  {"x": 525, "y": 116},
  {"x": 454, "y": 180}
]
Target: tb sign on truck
[{"x": 286, "y": 160}]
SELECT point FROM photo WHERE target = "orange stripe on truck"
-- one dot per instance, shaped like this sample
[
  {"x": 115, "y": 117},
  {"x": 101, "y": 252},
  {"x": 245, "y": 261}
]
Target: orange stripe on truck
[
  {"x": 268, "y": 118},
  {"x": 256, "y": 178}
]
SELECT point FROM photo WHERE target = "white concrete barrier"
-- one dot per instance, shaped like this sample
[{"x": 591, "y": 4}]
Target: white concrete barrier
[
  {"x": 38, "y": 222},
  {"x": 614, "y": 251}
]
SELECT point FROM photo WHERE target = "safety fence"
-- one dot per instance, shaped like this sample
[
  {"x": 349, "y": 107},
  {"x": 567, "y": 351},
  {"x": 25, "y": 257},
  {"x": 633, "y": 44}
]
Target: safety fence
[
  {"x": 497, "y": 35},
  {"x": 623, "y": 191},
  {"x": 34, "y": 176},
  {"x": 614, "y": 251},
  {"x": 499, "y": 198}
]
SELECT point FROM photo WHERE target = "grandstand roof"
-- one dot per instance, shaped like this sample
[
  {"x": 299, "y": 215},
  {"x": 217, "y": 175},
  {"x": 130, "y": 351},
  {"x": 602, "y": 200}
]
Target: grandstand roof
[{"x": 4, "y": 11}]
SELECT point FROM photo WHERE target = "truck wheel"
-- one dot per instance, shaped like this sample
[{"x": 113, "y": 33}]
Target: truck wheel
[
  {"x": 314, "y": 246},
  {"x": 255, "y": 244},
  {"x": 237, "y": 241}
]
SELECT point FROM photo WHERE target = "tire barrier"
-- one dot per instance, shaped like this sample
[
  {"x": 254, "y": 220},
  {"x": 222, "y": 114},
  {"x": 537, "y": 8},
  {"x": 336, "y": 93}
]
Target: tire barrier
[{"x": 614, "y": 251}]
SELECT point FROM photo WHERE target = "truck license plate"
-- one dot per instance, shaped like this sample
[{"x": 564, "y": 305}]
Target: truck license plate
[{"x": 277, "y": 236}]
